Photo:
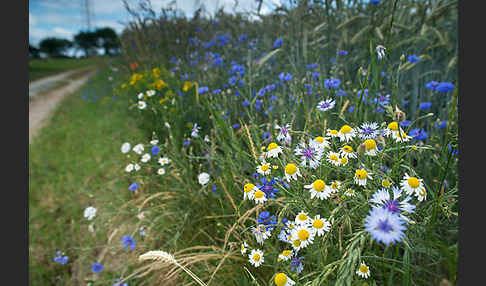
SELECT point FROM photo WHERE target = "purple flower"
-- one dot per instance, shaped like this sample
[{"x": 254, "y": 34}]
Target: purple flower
[
  {"x": 425, "y": 105},
  {"x": 133, "y": 187},
  {"x": 155, "y": 150},
  {"x": 342, "y": 53},
  {"x": 432, "y": 85},
  {"x": 236, "y": 125},
  {"x": 278, "y": 43},
  {"x": 61, "y": 259},
  {"x": 413, "y": 58},
  {"x": 245, "y": 102},
  {"x": 203, "y": 90},
  {"x": 405, "y": 123},
  {"x": 268, "y": 187},
  {"x": 444, "y": 87},
  {"x": 441, "y": 125},
  {"x": 332, "y": 83},
  {"x": 385, "y": 226},
  {"x": 285, "y": 76}
]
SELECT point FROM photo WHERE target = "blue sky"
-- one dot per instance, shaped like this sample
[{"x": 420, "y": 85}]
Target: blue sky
[{"x": 65, "y": 18}]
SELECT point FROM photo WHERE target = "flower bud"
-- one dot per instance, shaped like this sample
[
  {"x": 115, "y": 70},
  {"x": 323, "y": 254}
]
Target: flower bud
[{"x": 398, "y": 115}]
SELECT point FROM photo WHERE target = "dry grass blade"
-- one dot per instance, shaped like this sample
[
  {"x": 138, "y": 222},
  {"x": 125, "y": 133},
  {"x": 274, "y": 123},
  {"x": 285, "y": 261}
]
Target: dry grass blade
[
  {"x": 240, "y": 220},
  {"x": 229, "y": 196},
  {"x": 251, "y": 143}
]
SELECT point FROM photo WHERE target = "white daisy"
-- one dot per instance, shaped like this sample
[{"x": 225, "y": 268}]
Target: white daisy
[
  {"x": 273, "y": 150},
  {"x": 322, "y": 142},
  {"x": 411, "y": 185},
  {"x": 332, "y": 133},
  {"x": 370, "y": 147},
  {"x": 244, "y": 248},
  {"x": 90, "y": 212},
  {"x": 203, "y": 178},
  {"x": 259, "y": 197},
  {"x": 137, "y": 167},
  {"x": 249, "y": 191},
  {"x": 334, "y": 187},
  {"x": 391, "y": 129},
  {"x": 206, "y": 138},
  {"x": 140, "y": 95},
  {"x": 164, "y": 161},
  {"x": 421, "y": 194},
  {"x": 195, "y": 130},
  {"x": 291, "y": 172},
  {"x": 346, "y": 133},
  {"x": 281, "y": 279},
  {"x": 401, "y": 136},
  {"x": 145, "y": 158},
  {"x": 138, "y": 149},
  {"x": 350, "y": 193},
  {"x": 264, "y": 168},
  {"x": 361, "y": 176},
  {"x": 311, "y": 153},
  {"x": 284, "y": 134},
  {"x": 363, "y": 270},
  {"x": 141, "y": 104},
  {"x": 154, "y": 142},
  {"x": 125, "y": 148},
  {"x": 256, "y": 257},
  {"x": 285, "y": 255},
  {"x": 305, "y": 233},
  {"x": 301, "y": 219},
  {"x": 348, "y": 152},
  {"x": 320, "y": 225},
  {"x": 343, "y": 161},
  {"x": 327, "y": 104},
  {"x": 161, "y": 171},
  {"x": 319, "y": 189},
  {"x": 129, "y": 168},
  {"x": 150, "y": 92},
  {"x": 333, "y": 158}
]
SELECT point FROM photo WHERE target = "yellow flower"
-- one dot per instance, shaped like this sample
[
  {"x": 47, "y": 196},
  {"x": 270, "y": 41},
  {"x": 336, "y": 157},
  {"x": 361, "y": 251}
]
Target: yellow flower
[
  {"x": 124, "y": 85},
  {"x": 156, "y": 72},
  {"x": 159, "y": 84},
  {"x": 187, "y": 86}
]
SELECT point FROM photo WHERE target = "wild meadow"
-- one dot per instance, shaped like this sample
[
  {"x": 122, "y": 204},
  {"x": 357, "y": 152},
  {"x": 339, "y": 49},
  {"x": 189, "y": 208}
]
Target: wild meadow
[{"x": 313, "y": 145}]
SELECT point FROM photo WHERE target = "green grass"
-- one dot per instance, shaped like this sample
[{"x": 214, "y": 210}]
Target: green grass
[
  {"x": 74, "y": 163},
  {"x": 39, "y": 68}
]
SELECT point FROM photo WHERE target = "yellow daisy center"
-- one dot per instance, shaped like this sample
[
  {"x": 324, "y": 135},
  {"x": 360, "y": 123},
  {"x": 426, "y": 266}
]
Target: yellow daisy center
[
  {"x": 334, "y": 157},
  {"x": 318, "y": 224},
  {"x": 370, "y": 144},
  {"x": 242, "y": 247},
  {"x": 259, "y": 194},
  {"x": 363, "y": 268},
  {"x": 286, "y": 252},
  {"x": 303, "y": 234},
  {"x": 296, "y": 243},
  {"x": 335, "y": 185},
  {"x": 347, "y": 149},
  {"x": 272, "y": 146},
  {"x": 361, "y": 174},
  {"x": 393, "y": 126},
  {"x": 256, "y": 257},
  {"x": 265, "y": 168},
  {"x": 345, "y": 129},
  {"x": 319, "y": 185},
  {"x": 302, "y": 217},
  {"x": 248, "y": 187},
  {"x": 280, "y": 279},
  {"x": 275, "y": 167},
  {"x": 344, "y": 160},
  {"x": 319, "y": 139},
  {"x": 385, "y": 183},
  {"x": 422, "y": 192},
  {"x": 333, "y": 132},
  {"x": 290, "y": 169},
  {"x": 401, "y": 135},
  {"x": 413, "y": 182}
]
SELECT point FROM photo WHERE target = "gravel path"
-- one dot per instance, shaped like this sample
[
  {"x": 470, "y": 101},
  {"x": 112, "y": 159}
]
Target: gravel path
[{"x": 40, "y": 108}]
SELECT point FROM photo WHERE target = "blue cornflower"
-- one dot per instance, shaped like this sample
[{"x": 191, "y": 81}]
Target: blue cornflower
[
  {"x": 266, "y": 219},
  {"x": 258, "y": 104},
  {"x": 351, "y": 109},
  {"x": 316, "y": 75},
  {"x": 312, "y": 66},
  {"x": 375, "y": 2},
  {"x": 405, "y": 103},
  {"x": 332, "y": 83},
  {"x": 432, "y": 85},
  {"x": 341, "y": 93},
  {"x": 369, "y": 130},
  {"x": 268, "y": 187},
  {"x": 155, "y": 150},
  {"x": 380, "y": 110},
  {"x": 187, "y": 143},
  {"x": 261, "y": 92},
  {"x": 383, "y": 99},
  {"x": 413, "y": 58},
  {"x": 216, "y": 91},
  {"x": 425, "y": 105},
  {"x": 128, "y": 241},
  {"x": 444, "y": 86},
  {"x": 242, "y": 37},
  {"x": 213, "y": 189},
  {"x": 454, "y": 152},
  {"x": 202, "y": 90},
  {"x": 405, "y": 123},
  {"x": 245, "y": 102},
  {"x": 418, "y": 134},
  {"x": 237, "y": 92},
  {"x": 118, "y": 284},
  {"x": 267, "y": 136},
  {"x": 232, "y": 80},
  {"x": 442, "y": 124},
  {"x": 61, "y": 259},
  {"x": 273, "y": 98},
  {"x": 333, "y": 60},
  {"x": 236, "y": 125},
  {"x": 296, "y": 263},
  {"x": 97, "y": 268},
  {"x": 278, "y": 42},
  {"x": 133, "y": 187},
  {"x": 342, "y": 53},
  {"x": 285, "y": 76},
  {"x": 384, "y": 226}
]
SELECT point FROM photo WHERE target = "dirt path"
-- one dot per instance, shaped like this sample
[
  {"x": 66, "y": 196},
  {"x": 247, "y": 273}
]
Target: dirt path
[{"x": 41, "y": 107}]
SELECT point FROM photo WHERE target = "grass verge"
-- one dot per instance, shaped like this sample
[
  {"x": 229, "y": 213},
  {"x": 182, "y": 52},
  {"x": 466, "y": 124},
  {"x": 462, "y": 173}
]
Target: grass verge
[
  {"x": 39, "y": 68},
  {"x": 73, "y": 164}
]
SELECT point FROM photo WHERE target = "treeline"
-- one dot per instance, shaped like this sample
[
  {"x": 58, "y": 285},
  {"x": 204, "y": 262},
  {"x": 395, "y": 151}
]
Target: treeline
[{"x": 86, "y": 41}]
